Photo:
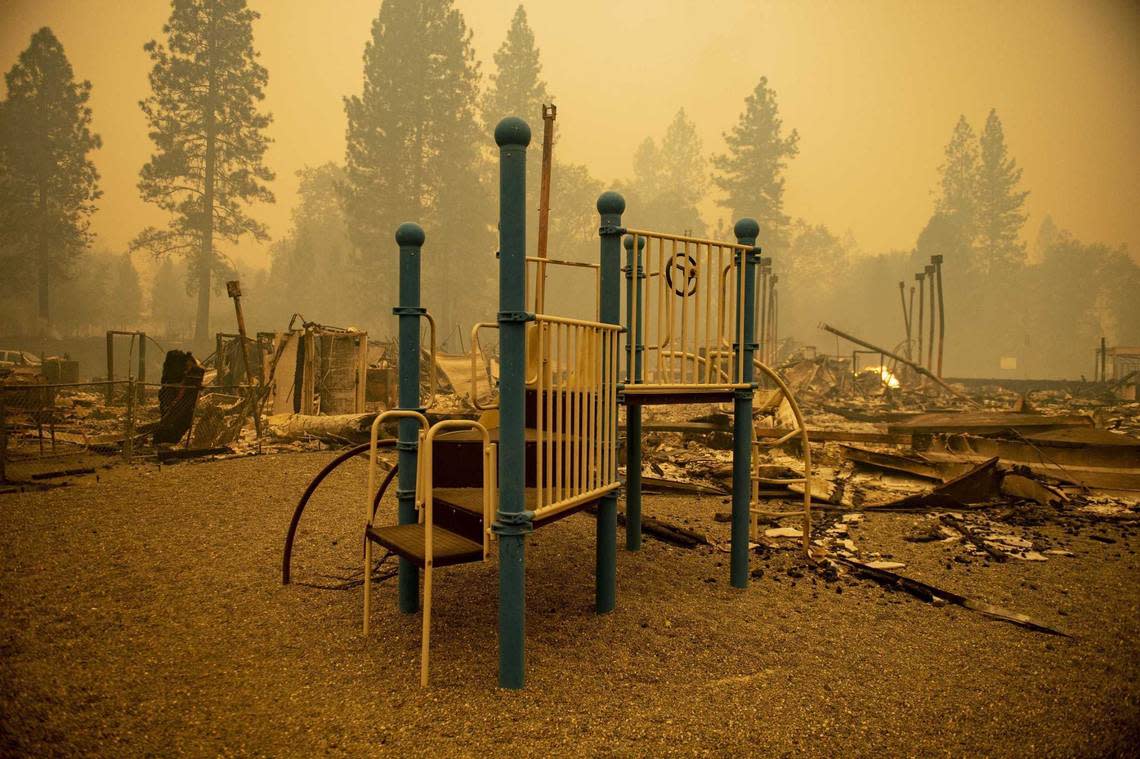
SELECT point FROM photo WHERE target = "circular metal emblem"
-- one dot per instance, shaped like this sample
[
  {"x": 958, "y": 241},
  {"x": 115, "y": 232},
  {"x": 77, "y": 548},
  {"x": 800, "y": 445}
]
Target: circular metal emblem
[{"x": 684, "y": 281}]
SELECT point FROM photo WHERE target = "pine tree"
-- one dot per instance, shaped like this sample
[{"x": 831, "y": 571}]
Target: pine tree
[
  {"x": 751, "y": 172},
  {"x": 209, "y": 139},
  {"x": 958, "y": 181},
  {"x": 1047, "y": 234},
  {"x": 312, "y": 266},
  {"x": 125, "y": 294},
  {"x": 517, "y": 89},
  {"x": 48, "y": 183},
  {"x": 999, "y": 203},
  {"x": 170, "y": 307},
  {"x": 413, "y": 154},
  {"x": 670, "y": 181}
]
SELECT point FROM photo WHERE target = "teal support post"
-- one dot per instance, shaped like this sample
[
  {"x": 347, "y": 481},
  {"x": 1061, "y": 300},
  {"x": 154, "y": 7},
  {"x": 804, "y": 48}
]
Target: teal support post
[
  {"x": 512, "y": 522},
  {"x": 635, "y": 349},
  {"x": 610, "y": 207},
  {"x": 746, "y": 231},
  {"x": 410, "y": 237}
]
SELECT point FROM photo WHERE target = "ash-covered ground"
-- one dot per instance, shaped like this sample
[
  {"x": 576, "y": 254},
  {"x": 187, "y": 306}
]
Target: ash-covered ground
[{"x": 144, "y": 615}]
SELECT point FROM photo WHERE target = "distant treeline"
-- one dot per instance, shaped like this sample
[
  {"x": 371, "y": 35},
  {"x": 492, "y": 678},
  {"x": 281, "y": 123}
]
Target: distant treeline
[{"x": 418, "y": 148}]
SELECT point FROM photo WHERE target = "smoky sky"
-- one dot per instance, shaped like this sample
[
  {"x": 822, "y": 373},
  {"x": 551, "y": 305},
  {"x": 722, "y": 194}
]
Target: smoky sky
[{"x": 874, "y": 89}]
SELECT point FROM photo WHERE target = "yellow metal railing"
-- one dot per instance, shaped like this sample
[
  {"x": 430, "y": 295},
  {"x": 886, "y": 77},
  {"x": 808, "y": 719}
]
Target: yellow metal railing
[
  {"x": 425, "y": 501},
  {"x": 540, "y": 264},
  {"x": 687, "y": 309},
  {"x": 433, "y": 382},
  {"x": 576, "y": 412},
  {"x": 476, "y": 349},
  {"x": 380, "y": 419}
]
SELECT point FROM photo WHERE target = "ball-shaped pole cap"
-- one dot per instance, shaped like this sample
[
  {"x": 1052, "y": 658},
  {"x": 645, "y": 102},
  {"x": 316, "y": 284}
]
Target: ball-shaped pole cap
[
  {"x": 610, "y": 202},
  {"x": 746, "y": 229},
  {"x": 628, "y": 242},
  {"x": 410, "y": 233},
  {"x": 512, "y": 131}
]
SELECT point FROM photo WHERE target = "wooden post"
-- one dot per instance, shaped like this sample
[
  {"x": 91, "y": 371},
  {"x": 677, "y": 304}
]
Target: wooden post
[
  {"x": 233, "y": 289},
  {"x": 548, "y": 114}
]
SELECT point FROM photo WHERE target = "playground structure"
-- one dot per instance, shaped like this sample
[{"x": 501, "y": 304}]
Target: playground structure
[{"x": 549, "y": 447}]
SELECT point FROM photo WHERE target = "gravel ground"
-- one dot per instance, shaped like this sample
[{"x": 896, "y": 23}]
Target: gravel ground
[{"x": 144, "y": 615}]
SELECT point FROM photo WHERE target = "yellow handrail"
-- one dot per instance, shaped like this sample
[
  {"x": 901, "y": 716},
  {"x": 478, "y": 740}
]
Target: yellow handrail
[
  {"x": 379, "y": 420},
  {"x": 475, "y": 350},
  {"x": 434, "y": 380},
  {"x": 539, "y": 297},
  {"x": 426, "y": 462}
]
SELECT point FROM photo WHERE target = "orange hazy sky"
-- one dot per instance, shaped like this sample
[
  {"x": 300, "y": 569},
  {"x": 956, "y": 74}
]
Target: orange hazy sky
[{"x": 873, "y": 86}]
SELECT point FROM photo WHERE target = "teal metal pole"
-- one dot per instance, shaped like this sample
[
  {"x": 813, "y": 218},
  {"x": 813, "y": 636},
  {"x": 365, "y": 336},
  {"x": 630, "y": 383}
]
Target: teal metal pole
[
  {"x": 410, "y": 237},
  {"x": 747, "y": 230},
  {"x": 512, "y": 522},
  {"x": 635, "y": 348},
  {"x": 610, "y": 206}
]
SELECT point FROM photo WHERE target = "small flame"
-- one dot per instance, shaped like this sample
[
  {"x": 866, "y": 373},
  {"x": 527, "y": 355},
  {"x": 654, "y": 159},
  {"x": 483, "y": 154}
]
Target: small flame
[{"x": 884, "y": 374}]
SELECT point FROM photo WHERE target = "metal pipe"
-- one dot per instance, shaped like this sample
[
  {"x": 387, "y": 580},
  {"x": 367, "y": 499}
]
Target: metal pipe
[
  {"x": 937, "y": 261},
  {"x": 930, "y": 344},
  {"x": 765, "y": 267},
  {"x": 410, "y": 239},
  {"x": 610, "y": 207},
  {"x": 906, "y": 317},
  {"x": 512, "y": 521},
  {"x": 746, "y": 231},
  {"x": 921, "y": 312},
  {"x": 910, "y": 321},
  {"x": 775, "y": 323}
]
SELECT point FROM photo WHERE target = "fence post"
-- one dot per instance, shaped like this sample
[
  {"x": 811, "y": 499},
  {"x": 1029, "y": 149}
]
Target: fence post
[
  {"x": 142, "y": 367},
  {"x": 635, "y": 273},
  {"x": 129, "y": 438},
  {"x": 746, "y": 231},
  {"x": 410, "y": 237},
  {"x": 512, "y": 522},
  {"x": 110, "y": 367}
]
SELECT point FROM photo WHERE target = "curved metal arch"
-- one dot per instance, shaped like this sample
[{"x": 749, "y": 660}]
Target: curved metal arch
[
  {"x": 801, "y": 432},
  {"x": 287, "y": 556}
]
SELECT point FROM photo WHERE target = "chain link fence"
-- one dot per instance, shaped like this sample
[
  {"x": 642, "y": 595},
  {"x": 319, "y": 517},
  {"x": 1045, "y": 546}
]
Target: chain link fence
[{"x": 126, "y": 419}]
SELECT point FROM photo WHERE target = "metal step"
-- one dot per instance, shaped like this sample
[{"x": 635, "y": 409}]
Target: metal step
[
  {"x": 459, "y": 459},
  {"x": 407, "y": 540}
]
